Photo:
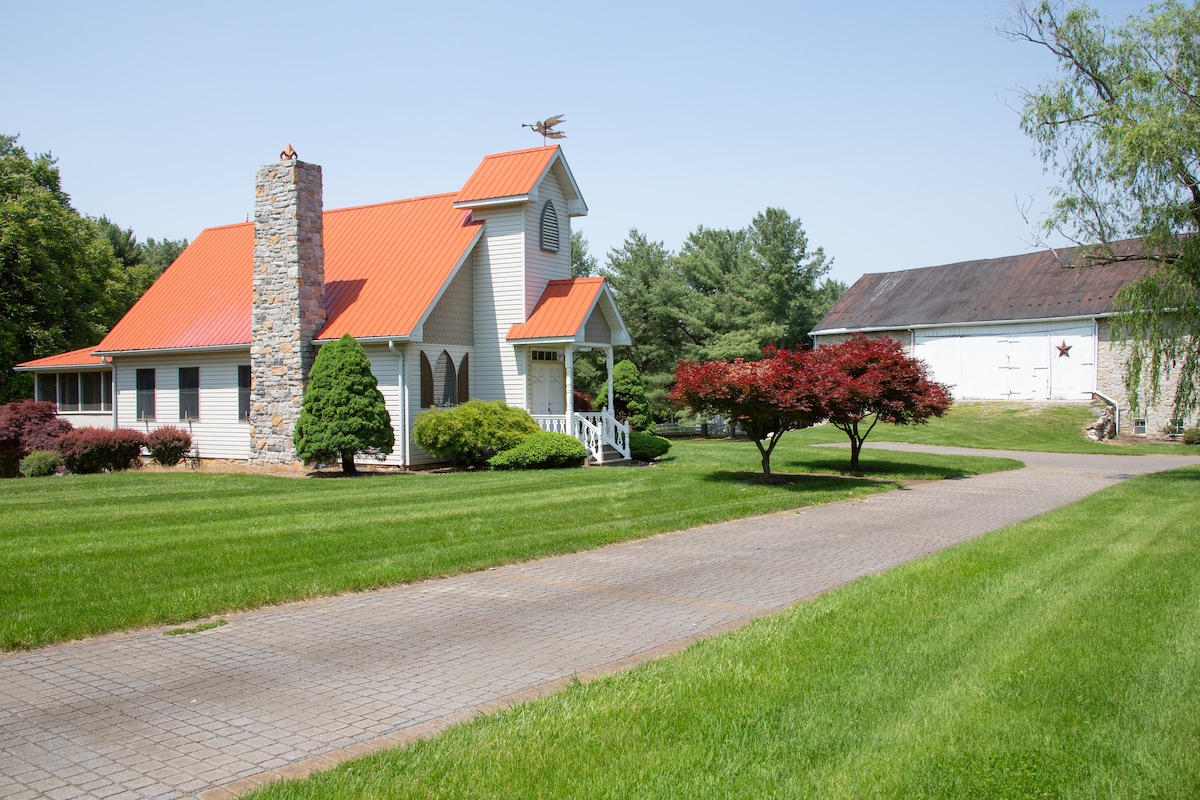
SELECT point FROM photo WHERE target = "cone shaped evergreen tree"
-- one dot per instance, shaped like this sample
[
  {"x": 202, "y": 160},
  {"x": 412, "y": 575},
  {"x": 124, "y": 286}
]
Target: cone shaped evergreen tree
[{"x": 344, "y": 412}]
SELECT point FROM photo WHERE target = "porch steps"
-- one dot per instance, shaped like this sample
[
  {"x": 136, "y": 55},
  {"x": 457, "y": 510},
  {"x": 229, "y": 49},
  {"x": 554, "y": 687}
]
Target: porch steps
[{"x": 612, "y": 458}]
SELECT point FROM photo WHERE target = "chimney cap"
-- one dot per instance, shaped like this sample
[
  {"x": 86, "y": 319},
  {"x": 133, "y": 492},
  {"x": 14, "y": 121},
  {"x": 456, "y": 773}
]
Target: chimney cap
[{"x": 288, "y": 153}]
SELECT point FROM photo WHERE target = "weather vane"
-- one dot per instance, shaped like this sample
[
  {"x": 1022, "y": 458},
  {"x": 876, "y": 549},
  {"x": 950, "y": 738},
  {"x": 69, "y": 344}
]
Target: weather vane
[{"x": 546, "y": 128}]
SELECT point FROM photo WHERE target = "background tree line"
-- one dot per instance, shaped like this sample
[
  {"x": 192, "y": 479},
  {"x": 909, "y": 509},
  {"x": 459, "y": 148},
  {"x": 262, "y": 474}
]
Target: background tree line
[
  {"x": 65, "y": 279},
  {"x": 725, "y": 294}
]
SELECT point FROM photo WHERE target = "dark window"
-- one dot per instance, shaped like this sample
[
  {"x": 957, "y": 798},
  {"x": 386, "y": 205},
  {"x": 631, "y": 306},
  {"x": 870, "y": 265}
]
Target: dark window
[
  {"x": 91, "y": 390},
  {"x": 445, "y": 382},
  {"x": 106, "y": 390},
  {"x": 145, "y": 394},
  {"x": 464, "y": 380},
  {"x": 548, "y": 235},
  {"x": 243, "y": 391},
  {"x": 47, "y": 387},
  {"x": 426, "y": 382},
  {"x": 189, "y": 393},
  {"x": 68, "y": 391}
]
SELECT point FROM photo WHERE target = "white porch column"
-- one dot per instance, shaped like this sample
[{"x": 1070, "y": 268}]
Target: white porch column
[
  {"x": 569, "y": 359},
  {"x": 608, "y": 364}
]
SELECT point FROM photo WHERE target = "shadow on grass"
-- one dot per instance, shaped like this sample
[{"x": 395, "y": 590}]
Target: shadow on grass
[
  {"x": 880, "y": 468},
  {"x": 791, "y": 482}
]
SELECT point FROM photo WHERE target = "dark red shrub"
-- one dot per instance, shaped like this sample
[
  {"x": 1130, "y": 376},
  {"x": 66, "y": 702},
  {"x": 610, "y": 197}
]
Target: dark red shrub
[
  {"x": 87, "y": 450},
  {"x": 168, "y": 445},
  {"x": 25, "y": 426}
]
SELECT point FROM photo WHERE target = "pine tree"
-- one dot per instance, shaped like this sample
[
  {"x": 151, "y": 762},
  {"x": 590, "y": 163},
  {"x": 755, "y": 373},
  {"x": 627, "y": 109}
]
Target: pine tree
[{"x": 344, "y": 412}]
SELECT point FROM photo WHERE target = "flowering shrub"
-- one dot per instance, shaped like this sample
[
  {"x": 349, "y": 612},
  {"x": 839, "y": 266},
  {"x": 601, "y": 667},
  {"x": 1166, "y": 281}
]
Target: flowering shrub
[
  {"x": 87, "y": 450},
  {"x": 168, "y": 445}
]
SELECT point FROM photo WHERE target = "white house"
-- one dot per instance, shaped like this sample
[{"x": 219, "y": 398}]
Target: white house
[
  {"x": 1026, "y": 327},
  {"x": 453, "y": 296}
]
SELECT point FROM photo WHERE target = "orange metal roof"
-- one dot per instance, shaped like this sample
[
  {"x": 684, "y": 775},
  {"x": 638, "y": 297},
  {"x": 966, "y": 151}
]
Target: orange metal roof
[
  {"x": 76, "y": 358},
  {"x": 561, "y": 311},
  {"x": 384, "y": 265},
  {"x": 507, "y": 174},
  {"x": 202, "y": 300}
]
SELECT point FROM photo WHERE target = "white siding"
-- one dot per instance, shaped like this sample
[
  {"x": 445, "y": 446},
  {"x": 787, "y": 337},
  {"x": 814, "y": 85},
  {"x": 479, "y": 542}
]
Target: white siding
[
  {"x": 385, "y": 366},
  {"x": 496, "y": 372},
  {"x": 452, "y": 320},
  {"x": 542, "y": 266},
  {"x": 218, "y": 433}
]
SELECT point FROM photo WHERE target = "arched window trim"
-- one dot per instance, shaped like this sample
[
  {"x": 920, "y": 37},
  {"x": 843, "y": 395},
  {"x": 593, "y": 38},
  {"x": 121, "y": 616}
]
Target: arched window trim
[
  {"x": 548, "y": 233},
  {"x": 445, "y": 382}
]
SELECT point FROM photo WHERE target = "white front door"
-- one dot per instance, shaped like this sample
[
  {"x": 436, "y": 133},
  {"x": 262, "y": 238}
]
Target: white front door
[{"x": 549, "y": 389}]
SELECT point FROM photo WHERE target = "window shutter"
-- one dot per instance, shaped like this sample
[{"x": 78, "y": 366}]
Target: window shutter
[
  {"x": 548, "y": 236},
  {"x": 426, "y": 382},
  {"x": 464, "y": 381}
]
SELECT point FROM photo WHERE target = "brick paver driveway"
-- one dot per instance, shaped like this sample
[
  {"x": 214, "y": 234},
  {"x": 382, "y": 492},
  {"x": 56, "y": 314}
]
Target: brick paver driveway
[{"x": 290, "y": 689}]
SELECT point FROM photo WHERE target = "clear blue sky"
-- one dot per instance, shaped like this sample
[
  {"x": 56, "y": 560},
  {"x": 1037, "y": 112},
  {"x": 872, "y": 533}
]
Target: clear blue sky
[{"x": 888, "y": 128}]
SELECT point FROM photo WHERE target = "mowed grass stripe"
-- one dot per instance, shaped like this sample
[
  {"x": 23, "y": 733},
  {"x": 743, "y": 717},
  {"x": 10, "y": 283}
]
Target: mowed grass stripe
[
  {"x": 1056, "y": 658},
  {"x": 83, "y": 555}
]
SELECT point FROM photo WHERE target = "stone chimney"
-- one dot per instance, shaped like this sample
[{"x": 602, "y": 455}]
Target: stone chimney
[{"x": 288, "y": 303}]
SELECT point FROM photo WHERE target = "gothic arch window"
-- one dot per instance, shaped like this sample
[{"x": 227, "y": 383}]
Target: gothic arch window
[
  {"x": 445, "y": 382},
  {"x": 548, "y": 234},
  {"x": 426, "y": 382},
  {"x": 464, "y": 379}
]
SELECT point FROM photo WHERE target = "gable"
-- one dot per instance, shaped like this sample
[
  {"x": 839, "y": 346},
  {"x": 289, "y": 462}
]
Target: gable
[{"x": 1032, "y": 286}]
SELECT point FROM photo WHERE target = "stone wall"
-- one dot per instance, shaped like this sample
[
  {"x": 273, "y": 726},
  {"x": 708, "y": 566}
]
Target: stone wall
[
  {"x": 1111, "y": 355},
  {"x": 288, "y": 302}
]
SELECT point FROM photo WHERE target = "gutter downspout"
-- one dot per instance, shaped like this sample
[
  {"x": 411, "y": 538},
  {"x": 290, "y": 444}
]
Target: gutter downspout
[{"x": 403, "y": 401}]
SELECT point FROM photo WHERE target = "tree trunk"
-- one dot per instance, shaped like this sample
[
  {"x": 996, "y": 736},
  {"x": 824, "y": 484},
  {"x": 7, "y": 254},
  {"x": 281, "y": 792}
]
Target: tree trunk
[
  {"x": 855, "y": 449},
  {"x": 348, "y": 467}
]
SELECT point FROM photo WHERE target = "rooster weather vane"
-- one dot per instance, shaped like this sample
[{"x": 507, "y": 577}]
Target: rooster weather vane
[{"x": 546, "y": 128}]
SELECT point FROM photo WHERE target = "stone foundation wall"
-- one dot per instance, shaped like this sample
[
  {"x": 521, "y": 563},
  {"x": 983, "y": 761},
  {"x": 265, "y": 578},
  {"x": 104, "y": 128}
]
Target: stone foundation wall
[
  {"x": 288, "y": 302},
  {"x": 1111, "y": 356}
]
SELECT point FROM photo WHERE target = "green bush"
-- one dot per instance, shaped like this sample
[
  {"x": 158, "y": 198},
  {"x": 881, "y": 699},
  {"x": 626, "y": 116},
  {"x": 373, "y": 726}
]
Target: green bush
[
  {"x": 542, "y": 450},
  {"x": 473, "y": 432},
  {"x": 168, "y": 445},
  {"x": 647, "y": 446},
  {"x": 39, "y": 464},
  {"x": 1191, "y": 436},
  {"x": 86, "y": 450},
  {"x": 629, "y": 397}
]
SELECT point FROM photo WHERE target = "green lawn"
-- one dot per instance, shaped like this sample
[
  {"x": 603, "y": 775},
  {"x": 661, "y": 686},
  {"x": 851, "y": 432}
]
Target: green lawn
[
  {"x": 82, "y": 555},
  {"x": 1057, "y": 658},
  {"x": 1005, "y": 426}
]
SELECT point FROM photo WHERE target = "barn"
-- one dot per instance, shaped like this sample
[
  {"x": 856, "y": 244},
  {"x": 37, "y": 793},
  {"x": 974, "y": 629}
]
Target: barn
[{"x": 1029, "y": 327}]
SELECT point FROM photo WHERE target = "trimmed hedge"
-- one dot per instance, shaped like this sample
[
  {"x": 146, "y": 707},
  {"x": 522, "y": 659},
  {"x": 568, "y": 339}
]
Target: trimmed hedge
[
  {"x": 39, "y": 464},
  {"x": 86, "y": 450},
  {"x": 473, "y": 432},
  {"x": 168, "y": 445},
  {"x": 647, "y": 446},
  {"x": 542, "y": 450}
]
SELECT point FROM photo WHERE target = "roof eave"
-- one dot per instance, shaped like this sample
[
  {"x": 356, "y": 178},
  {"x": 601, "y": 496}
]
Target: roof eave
[{"x": 964, "y": 324}]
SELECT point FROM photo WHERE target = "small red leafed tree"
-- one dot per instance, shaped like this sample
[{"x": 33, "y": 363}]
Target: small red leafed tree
[
  {"x": 25, "y": 426},
  {"x": 765, "y": 398},
  {"x": 863, "y": 382}
]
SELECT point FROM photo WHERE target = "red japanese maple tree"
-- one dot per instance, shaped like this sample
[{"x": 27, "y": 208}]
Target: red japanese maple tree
[
  {"x": 864, "y": 381},
  {"x": 765, "y": 398}
]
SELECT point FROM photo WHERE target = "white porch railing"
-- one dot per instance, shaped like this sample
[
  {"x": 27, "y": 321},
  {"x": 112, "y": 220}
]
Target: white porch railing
[{"x": 595, "y": 429}]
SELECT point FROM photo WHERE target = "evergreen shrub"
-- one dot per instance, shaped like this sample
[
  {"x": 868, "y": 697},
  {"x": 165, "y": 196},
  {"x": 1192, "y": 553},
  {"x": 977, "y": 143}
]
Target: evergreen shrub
[
  {"x": 473, "y": 432},
  {"x": 344, "y": 413},
  {"x": 87, "y": 450},
  {"x": 1191, "y": 436},
  {"x": 39, "y": 464},
  {"x": 647, "y": 446},
  {"x": 542, "y": 450},
  {"x": 168, "y": 445}
]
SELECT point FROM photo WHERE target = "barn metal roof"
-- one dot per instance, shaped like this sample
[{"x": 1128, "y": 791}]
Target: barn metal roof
[{"x": 1050, "y": 284}]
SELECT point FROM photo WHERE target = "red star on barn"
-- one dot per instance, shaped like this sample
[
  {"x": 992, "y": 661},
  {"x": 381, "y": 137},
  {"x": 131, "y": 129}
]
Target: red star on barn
[{"x": 1064, "y": 349}]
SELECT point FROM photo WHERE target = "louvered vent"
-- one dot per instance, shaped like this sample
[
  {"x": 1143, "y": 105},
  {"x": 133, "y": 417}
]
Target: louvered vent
[{"x": 549, "y": 232}]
